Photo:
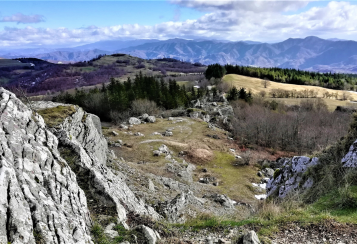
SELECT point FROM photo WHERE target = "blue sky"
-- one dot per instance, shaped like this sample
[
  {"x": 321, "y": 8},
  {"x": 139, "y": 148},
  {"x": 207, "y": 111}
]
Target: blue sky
[
  {"x": 77, "y": 14},
  {"x": 70, "y": 23}
]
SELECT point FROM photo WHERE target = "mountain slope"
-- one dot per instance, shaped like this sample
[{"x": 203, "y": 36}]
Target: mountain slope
[{"x": 306, "y": 53}]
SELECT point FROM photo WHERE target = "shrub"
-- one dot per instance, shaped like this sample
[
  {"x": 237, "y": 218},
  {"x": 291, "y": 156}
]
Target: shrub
[{"x": 141, "y": 106}]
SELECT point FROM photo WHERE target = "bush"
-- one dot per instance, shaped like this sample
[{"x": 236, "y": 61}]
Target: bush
[
  {"x": 141, "y": 106},
  {"x": 119, "y": 117}
]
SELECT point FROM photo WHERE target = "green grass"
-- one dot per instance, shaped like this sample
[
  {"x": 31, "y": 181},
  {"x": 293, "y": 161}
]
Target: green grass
[
  {"x": 235, "y": 179},
  {"x": 55, "y": 116},
  {"x": 339, "y": 206}
]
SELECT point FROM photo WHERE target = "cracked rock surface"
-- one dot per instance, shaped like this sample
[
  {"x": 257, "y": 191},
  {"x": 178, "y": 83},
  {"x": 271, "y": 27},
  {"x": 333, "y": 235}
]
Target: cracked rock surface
[
  {"x": 80, "y": 136},
  {"x": 40, "y": 199}
]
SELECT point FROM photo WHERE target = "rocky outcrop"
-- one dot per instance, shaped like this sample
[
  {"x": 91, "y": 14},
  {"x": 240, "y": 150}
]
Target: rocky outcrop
[
  {"x": 290, "y": 177},
  {"x": 40, "y": 200},
  {"x": 174, "y": 210},
  {"x": 350, "y": 159},
  {"x": 80, "y": 137}
]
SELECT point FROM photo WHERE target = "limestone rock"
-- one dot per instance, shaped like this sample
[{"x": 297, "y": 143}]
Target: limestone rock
[
  {"x": 124, "y": 127},
  {"x": 289, "y": 177},
  {"x": 79, "y": 135},
  {"x": 151, "y": 119},
  {"x": 110, "y": 232},
  {"x": 173, "y": 210},
  {"x": 150, "y": 235},
  {"x": 268, "y": 172},
  {"x": 221, "y": 199},
  {"x": 40, "y": 196},
  {"x": 350, "y": 159},
  {"x": 134, "y": 121},
  {"x": 250, "y": 238},
  {"x": 144, "y": 117}
]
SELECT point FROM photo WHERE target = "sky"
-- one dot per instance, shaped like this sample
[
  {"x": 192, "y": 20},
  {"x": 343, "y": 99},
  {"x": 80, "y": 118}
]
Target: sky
[{"x": 26, "y": 24}]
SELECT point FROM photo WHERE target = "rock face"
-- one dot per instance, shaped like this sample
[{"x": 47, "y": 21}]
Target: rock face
[
  {"x": 80, "y": 136},
  {"x": 350, "y": 159},
  {"x": 289, "y": 177},
  {"x": 40, "y": 197}
]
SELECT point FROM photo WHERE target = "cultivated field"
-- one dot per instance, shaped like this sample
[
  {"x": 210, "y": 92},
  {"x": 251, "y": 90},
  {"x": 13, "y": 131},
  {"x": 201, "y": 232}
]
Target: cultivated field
[{"x": 255, "y": 86}]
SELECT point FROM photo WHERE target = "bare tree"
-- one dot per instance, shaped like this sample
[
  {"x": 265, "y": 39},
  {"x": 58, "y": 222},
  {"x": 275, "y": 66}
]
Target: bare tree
[
  {"x": 345, "y": 96},
  {"x": 266, "y": 82}
]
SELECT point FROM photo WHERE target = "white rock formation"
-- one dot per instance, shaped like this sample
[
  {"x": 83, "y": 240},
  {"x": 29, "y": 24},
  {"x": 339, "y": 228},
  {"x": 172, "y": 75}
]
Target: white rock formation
[
  {"x": 289, "y": 177},
  {"x": 40, "y": 199}
]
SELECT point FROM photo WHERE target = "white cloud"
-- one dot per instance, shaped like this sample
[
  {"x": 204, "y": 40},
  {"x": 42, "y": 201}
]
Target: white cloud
[
  {"x": 20, "y": 18},
  {"x": 337, "y": 19},
  {"x": 256, "y": 6}
]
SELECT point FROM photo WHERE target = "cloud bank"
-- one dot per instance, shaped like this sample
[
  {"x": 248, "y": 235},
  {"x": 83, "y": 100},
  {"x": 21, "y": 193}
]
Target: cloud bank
[
  {"x": 223, "y": 20},
  {"x": 20, "y": 18}
]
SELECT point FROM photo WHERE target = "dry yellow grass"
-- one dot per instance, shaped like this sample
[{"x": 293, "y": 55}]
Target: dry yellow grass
[{"x": 255, "y": 86}]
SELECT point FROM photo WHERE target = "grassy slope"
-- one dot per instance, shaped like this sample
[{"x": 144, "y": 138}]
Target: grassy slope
[
  {"x": 188, "y": 135},
  {"x": 255, "y": 85}
]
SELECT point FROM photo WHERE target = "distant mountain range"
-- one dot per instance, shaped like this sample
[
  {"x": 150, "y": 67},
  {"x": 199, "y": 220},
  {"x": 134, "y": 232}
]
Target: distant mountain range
[{"x": 310, "y": 53}]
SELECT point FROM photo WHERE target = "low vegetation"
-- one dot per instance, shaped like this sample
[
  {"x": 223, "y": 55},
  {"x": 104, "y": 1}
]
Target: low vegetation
[{"x": 55, "y": 116}]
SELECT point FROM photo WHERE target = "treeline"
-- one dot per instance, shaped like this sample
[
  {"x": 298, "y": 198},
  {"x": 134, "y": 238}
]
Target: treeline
[
  {"x": 119, "y": 96},
  {"x": 299, "y": 77},
  {"x": 303, "y": 128}
]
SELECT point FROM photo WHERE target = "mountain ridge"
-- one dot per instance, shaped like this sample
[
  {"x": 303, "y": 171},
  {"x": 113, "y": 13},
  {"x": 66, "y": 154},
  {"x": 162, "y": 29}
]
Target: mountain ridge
[{"x": 310, "y": 53}]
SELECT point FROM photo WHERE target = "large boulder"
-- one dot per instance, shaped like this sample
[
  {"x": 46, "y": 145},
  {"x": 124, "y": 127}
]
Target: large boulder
[
  {"x": 134, "y": 121},
  {"x": 40, "y": 198},
  {"x": 151, "y": 119}
]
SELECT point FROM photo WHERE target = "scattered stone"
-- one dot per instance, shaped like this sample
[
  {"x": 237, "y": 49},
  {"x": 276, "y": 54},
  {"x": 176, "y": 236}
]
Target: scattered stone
[
  {"x": 138, "y": 134},
  {"x": 168, "y": 133},
  {"x": 260, "y": 174},
  {"x": 115, "y": 133},
  {"x": 124, "y": 127},
  {"x": 151, "y": 119},
  {"x": 156, "y": 153},
  {"x": 156, "y": 134},
  {"x": 164, "y": 149},
  {"x": 110, "y": 232},
  {"x": 144, "y": 117},
  {"x": 134, "y": 121},
  {"x": 268, "y": 172},
  {"x": 151, "y": 185},
  {"x": 232, "y": 150},
  {"x": 170, "y": 119},
  {"x": 221, "y": 199},
  {"x": 204, "y": 170}
]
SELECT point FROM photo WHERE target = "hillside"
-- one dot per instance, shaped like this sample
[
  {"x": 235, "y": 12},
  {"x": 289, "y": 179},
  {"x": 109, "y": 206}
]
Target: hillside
[
  {"x": 255, "y": 85},
  {"x": 47, "y": 78}
]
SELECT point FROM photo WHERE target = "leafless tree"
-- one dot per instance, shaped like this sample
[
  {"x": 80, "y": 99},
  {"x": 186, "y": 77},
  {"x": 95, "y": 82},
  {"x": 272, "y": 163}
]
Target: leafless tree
[{"x": 266, "y": 82}]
